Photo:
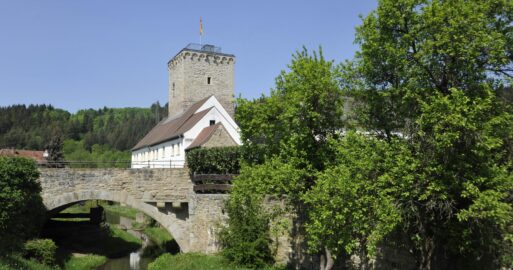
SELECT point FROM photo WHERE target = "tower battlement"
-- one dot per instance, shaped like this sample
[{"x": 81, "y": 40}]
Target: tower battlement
[{"x": 199, "y": 71}]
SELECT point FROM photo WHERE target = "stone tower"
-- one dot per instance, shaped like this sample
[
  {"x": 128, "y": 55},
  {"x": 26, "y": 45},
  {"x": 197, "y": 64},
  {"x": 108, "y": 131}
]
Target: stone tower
[{"x": 199, "y": 71}]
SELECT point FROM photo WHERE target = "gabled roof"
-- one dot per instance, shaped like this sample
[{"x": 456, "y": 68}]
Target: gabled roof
[
  {"x": 204, "y": 136},
  {"x": 173, "y": 127}
]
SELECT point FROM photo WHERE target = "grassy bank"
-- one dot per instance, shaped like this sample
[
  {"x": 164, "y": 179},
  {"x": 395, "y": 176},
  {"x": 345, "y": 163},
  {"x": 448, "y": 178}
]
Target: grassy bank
[
  {"x": 120, "y": 210},
  {"x": 15, "y": 262},
  {"x": 158, "y": 235},
  {"x": 194, "y": 261},
  {"x": 86, "y": 262}
]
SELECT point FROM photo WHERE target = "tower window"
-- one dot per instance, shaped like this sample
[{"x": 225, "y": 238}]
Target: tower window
[
  {"x": 212, "y": 122},
  {"x": 208, "y": 80},
  {"x": 173, "y": 89}
]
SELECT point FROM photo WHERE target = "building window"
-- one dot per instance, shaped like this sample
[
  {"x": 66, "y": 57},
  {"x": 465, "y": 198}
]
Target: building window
[
  {"x": 212, "y": 122},
  {"x": 173, "y": 150},
  {"x": 163, "y": 152},
  {"x": 173, "y": 92},
  {"x": 209, "y": 80}
]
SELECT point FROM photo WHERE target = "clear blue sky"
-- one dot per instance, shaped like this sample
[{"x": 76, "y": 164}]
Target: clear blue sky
[{"x": 92, "y": 53}]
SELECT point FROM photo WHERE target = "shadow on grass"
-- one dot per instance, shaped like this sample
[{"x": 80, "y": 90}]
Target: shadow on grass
[{"x": 83, "y": 237}]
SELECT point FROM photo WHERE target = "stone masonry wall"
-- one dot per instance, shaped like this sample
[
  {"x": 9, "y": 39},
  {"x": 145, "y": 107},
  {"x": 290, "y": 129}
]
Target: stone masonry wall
[
  {"x": 220, "y": 138},
  {"x": 147, "y": 185},
  {"x": 188, "y": 72}
]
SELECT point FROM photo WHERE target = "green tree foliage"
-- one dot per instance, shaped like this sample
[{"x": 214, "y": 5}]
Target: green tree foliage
[
  {"x": 430, "y": 91},
  {"x": 246, "y": 240},
  {"x": 411, "y": 49},
  {"x": 42, "y": 250},
  {"x": 21, "y": 207},
  {"x": 285, "y": 141},
  {"x": 299, "y": 116},
  {"x": 352, "y": 207},
  {"x": 104, "y": 155},
  {"x": 109, "y": 131},
  {"x": 30, "y": 127},
  {"x": 432, "y": 71},
  {"x": 54, "y": 148}
]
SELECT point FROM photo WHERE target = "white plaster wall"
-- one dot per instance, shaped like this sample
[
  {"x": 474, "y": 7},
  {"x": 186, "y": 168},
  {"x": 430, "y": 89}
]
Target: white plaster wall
[{"x": 141, "y": 158}]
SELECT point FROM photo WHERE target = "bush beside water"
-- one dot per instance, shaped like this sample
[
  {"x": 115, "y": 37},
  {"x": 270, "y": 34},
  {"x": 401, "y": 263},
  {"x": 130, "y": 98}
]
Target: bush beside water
[{"x": 41, "y": 250}]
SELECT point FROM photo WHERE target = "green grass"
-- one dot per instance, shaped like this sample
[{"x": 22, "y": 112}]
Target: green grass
[
  {"x": 194, "y": 261},
  {"x": 16, "y": 262},
  {"x": 118, "y": 233},
  {"x": 121, "y": 210},
  {"x": 87, "y": 262},
  {"x": 158, "y": 235}
]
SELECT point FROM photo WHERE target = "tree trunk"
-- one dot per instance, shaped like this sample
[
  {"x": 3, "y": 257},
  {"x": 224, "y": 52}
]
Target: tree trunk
[
  {"x": 326, "y": 260},
  {"x": 322, "y": 262},
  {"x": 427, "y": 250},
  {"x": 364, "y": 261}
]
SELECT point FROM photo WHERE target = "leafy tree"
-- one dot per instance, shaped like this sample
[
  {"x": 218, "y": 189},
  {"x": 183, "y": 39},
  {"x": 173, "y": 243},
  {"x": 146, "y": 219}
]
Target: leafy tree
[
  {"x": 299, "y": 116},
  {"x": 411, "y": 49},
  {"x": 246, "y": 240},
  {"x": 21, "y": 207},
  {"x": 290, "y": 130},
  {"x": 430, "y": 71},
  {"x": 54, "y": 148},
  {"x": 352, "y": 207}
]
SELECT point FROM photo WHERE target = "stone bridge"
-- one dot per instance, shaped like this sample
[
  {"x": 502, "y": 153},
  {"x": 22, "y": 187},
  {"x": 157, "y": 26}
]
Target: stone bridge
[{"x": 166, "y": 195}]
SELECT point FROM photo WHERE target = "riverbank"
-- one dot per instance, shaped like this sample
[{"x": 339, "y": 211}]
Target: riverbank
[{"x": 196, "y": 261}]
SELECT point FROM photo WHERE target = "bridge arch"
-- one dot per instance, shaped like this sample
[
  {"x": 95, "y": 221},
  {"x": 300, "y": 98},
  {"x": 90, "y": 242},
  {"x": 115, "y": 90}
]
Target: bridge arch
[{"x": 175, "y": 226}]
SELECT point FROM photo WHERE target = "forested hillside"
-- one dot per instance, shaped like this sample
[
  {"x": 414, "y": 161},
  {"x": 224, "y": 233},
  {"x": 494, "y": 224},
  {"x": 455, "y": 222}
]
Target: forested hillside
[{"x": 104, "y": 134}]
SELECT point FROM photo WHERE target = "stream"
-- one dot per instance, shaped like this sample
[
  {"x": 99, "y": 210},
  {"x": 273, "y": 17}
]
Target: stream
[{"x": 135, "y": 260}]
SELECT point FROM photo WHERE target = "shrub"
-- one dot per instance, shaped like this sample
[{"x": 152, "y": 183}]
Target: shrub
[
  {"x": 21, "y": 207},
  {"x": 246, "y": 240},
  {"x": 42, "y": 250},
  {"x": 216, "y": 160}
]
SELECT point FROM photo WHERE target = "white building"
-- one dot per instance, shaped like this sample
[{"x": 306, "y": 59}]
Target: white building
[
  {"x": 198, "y": 76},
  {"x": 205, "y": 123}
]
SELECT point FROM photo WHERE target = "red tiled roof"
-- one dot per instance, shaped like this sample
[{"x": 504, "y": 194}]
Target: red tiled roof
[
  {"x": 34, "y": 155},
  {"x": 204, "y": 136},
  {"x": 170, "y": 128}
]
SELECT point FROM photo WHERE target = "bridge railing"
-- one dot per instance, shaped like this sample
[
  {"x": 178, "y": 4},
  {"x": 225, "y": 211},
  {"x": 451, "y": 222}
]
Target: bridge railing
[
  {"x": 86, "y": 164},
  {"x": 113, "y": 164}
]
